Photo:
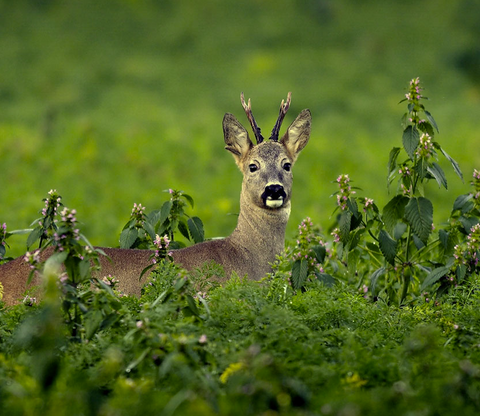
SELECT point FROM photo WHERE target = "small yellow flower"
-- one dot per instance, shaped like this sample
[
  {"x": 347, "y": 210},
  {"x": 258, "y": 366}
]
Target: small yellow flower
[
  {"x": 231, "y": 369},
  {"x": 354, "y": 380}
]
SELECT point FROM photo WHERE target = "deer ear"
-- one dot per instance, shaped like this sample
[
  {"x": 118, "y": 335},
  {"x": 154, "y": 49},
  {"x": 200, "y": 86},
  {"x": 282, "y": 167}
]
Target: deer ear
[
  {"x": 236, "y": 137},
  {"x": 297, "y": 135}
]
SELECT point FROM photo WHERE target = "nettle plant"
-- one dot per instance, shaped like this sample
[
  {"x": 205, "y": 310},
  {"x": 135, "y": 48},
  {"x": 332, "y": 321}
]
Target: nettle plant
[
  {"x": 141, "y": 230},
  {"x": 397, "y": 249},
  {"x": 88, "y": 301}
]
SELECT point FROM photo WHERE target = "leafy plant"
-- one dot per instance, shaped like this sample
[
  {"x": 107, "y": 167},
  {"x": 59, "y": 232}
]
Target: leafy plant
[
  {"x": 141, "y": 229},
  {"x": 395, "y": 246}
]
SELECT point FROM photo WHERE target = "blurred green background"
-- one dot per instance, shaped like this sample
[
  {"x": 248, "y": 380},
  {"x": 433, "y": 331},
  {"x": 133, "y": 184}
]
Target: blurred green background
[{"x": 111, "y": 102}]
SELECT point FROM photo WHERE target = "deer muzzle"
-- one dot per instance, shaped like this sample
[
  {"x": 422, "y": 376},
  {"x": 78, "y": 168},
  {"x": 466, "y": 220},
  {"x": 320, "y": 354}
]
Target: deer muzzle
[{"x": 274, "y": 195}]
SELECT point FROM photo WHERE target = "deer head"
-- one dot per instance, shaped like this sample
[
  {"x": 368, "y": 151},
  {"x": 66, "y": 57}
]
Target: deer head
[{"x": 266, "y": 166}]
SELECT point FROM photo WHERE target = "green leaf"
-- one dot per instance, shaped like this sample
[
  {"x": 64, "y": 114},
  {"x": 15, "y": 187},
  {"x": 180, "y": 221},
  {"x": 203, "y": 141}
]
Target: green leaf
[
  {"x": 34, "y": 236},
  {"x": 468, "y": 223},
  {"x": 392, "y": 160},
  {"x": 93, "y": 320},
  {"x": 455, "y": 165},
  {"x": 437, "y": 172},
  {"x": 374, "y": 278},
  {"x": 320, "y": 253},
  {"x": 421, "y": 168},
  {"x": 463, "y": 203},
  {"x": 410, "y": 139},
  {"x": 399, "y": 230},
  {"x": 128, "y": 237},
  {"x": 182, "y": 227},
  {"x": 388, "y": 246},
  {"x": 195, "y": 225},
  {"x": 138, "y": 360},
  {"x": 394, "y": 211},
  {"x": 299, "y": 273},
  {"x": 344, "y": 225},
  {"x": 189, "y": 199},
  {"x": 461, "y": 271},
  {"x": 434, "y": 276},
  {"x": 431, "y": 120},
  {"x": 153, "y": 217},
  {"x": 443, "y": 237},
  {"x": 326, "y": 279},
  {"x": 419, "y": 214},
  {"x": 426, "y": 127},
  {"x": 192, "y": 305},
  {"x": 84, "y": 268},
  {"x": 165, "y": 212},
  {"x": 149, "y": 229}
]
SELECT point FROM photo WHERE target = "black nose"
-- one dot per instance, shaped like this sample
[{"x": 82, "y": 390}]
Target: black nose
[
  {"x": 274, "y": 196},
  {"x": 275, "y": 191}
]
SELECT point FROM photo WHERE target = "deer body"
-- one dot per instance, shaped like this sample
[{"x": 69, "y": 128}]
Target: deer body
[{"x": 264, "y": 211}]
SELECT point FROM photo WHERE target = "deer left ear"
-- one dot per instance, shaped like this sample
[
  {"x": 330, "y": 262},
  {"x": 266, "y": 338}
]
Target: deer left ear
[
  {"x": 297, "y": 135},
  {"x": 236, "y": 138}
]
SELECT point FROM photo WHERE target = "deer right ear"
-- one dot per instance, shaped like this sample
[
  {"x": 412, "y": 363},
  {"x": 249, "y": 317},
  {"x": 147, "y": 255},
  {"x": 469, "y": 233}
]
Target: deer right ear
[{"x": 236, "y": 138}]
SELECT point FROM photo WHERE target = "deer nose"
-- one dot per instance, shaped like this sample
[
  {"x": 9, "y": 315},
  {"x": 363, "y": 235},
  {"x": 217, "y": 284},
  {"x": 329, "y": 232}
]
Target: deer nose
[{"x": 274, "y": 195}]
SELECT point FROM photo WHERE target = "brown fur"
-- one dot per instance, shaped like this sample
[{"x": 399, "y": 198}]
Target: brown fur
[{"x": 258, "y": 238}]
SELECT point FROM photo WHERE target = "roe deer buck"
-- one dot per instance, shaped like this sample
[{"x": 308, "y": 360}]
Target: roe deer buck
[{"x": 264, "y": 211}]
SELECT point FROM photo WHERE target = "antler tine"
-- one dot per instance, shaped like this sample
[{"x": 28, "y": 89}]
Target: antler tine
[
  {"x": 253, "y": 123},
  {"x": 284, "y": 106}
]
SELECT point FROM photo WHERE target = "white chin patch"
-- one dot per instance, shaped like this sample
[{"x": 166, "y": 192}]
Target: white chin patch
[{"x": 274, "y": 203}]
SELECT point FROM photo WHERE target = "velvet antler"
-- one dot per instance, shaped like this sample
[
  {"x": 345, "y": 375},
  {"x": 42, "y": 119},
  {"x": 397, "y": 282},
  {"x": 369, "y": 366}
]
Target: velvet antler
[
  {"x": 284, "y": 106},
  {"x": 248, "y": 112}
]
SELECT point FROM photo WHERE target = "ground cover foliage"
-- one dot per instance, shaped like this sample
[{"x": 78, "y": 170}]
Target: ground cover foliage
[{"x": 326, "y": 333}]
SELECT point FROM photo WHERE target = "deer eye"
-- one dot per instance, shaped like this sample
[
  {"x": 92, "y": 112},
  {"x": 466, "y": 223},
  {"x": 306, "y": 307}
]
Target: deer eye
[
  {"x": 253, "y": 167},
  {"x": 287, "y": 166}
]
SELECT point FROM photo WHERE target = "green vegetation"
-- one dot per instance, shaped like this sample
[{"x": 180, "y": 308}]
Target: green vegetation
[
  {"x": 246, "y": 348},
  {"x": 111, "y": 102}
]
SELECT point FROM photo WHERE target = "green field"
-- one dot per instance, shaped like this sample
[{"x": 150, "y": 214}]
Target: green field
[{"x": 111, "y": 102}]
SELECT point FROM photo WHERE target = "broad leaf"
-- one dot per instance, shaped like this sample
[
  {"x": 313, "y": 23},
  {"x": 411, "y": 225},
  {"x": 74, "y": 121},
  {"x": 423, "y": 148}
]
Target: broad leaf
[
  {"x": 437, "y": 172},
  {"x": 434, "y": 276},
  {"x": 299, "y": 273},
  {"x": 399, "y": 230},
  {"x": 455, "y": 165},
  {"x": 344, "y": 225},
  {"x": 419, "y": 214},
  {"x": 195, "y": 226},
  {"x": 468, "y": 223},
  {"x": 189, "y": 199},
  {"x": 128, "y": 237},
  {"x": 411, "y": 139},
  {"x": 320, "y": 252},
  {"x": 182, "y": 227},
  {"x": 149, "y": 229},
  {"x": 394, "y": 211},
  {"x": 374, "y": 278},
  {"x": 392, "y": 160},
  {"x": 431, "y": 120},
  {"x": 165, "y": 212},
  {"x": 326, "y": 279},
  {"x": 463, "y": 203},
  {"x": 34, "y": 236},
  {"x": 443, "y": 237},
  {"x": 461, "y": 272},
  {"x": 388, "y": 246}
]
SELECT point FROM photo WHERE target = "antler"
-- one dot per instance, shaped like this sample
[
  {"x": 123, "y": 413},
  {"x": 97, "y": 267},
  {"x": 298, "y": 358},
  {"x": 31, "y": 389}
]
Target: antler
[
  {"x": 284, "y": 106},
  {"x": 248, "y": 112}
]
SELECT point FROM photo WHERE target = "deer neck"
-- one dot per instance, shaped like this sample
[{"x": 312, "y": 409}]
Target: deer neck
[{"x": 260, "y": 229}]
